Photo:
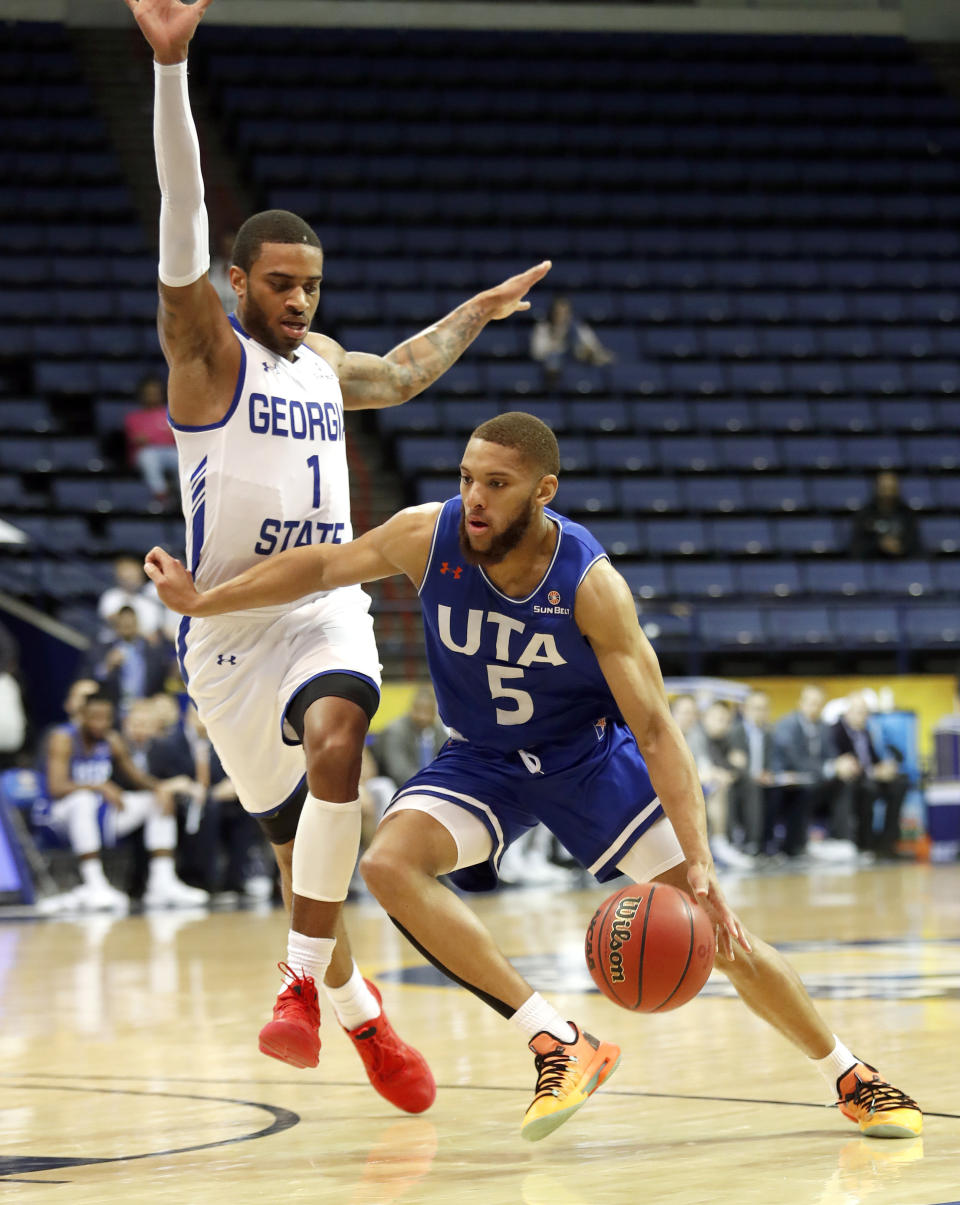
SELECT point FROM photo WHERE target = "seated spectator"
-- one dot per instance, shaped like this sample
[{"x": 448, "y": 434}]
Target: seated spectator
[
  {"x": 866, "y": 777},
  {"x": 222, "y": 848},
  {"x": 726, "y": 764},
  {"x": 139, "y": 730},
  {"x": 151, "y": 446},
  {"x": 411, "y": 742},
  {"x": 752, "y": 734},
  {"x": 561, "y": 335},
  {"x": 804, "y": 770},
  {"x": 166, "y": 707},
  {"x": 84, "y": 759},
  {"x": 886, "y": 527},
  {"x": 131, "y": 589},
  {"x": 687, "y": 715},
  {"x": 129, "y": 666}
]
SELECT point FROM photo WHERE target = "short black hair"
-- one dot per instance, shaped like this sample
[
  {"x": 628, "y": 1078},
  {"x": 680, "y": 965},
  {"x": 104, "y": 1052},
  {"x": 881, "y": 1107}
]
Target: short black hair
[
  {"x": 529, "y": 435},
  {"x": 270, "y": 226},
  {"x": 97, "y": 696}
]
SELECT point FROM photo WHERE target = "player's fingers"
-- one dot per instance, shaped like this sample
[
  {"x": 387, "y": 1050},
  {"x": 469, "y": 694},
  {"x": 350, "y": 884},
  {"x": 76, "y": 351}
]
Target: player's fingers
[{"x": 523, "y": 305}]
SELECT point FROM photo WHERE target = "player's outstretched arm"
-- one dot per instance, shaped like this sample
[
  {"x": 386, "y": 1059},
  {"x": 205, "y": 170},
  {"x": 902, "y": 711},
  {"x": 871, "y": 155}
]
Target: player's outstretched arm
[
  {"x": 195, "y": 334},
  {"x": 398, "y": 546},
  {"x": 372, "y": 382},
  {"x": 606, "y": 615}
]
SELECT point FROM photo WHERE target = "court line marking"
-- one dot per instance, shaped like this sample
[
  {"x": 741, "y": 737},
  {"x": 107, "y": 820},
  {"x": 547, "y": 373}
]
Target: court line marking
[
  {"x": 283, "y": 1119},
  {"x": 627, "y": 1092}
]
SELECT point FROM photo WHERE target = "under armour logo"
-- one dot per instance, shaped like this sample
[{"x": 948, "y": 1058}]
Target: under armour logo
[
  {"x": 226, "y": 659},
  {"x": 445, "y": 568},
  {"x": 269, "y": 367}
]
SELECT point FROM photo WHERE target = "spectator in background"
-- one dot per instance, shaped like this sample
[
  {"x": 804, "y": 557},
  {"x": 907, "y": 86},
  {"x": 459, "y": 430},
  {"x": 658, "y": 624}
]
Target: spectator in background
[
  {"x": 413, "y": 740},
  {"x": 726, "y": 764},
  {"x": 687, "y": 714},
  {"x": 129, "y": 666},
  {"x": 222, "y": 846},
  {"x": 150, "y": 443},
  {"x": 220, "y": 264},
  {"x": 865, "y": 778},
  {"x": 84, "y": 759},
  {"x": 167, "y": 710},
  {"x": 139, "y": 730},
  {"x": 804, "y": 769},
  {"x": 886, "y": 526},
  {"x": 131, "y": 589},
  {"x": 13, "y": 716},
  {"x": 749, "y": 793},
  {"x": 561, "y": 335}
]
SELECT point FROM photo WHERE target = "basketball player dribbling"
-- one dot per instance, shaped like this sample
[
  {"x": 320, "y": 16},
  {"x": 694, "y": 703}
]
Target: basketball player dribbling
[
  {"x": 256, "y": 403},
  {"x": 558, "y": 714}
]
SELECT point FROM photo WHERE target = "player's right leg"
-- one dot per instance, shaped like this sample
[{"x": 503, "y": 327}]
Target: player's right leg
[{"x": 412, "y": 848}]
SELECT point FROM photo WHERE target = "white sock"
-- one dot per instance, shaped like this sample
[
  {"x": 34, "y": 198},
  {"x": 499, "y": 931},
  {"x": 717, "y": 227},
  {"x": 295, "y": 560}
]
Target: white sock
[
  {"x": 353, "y": 1003},
  {"x": 308, "y": 956},
  {"x": 91, "y": 871},
  {"x": 833, "y": 1066},
  {"x": 161, "y": 870},
  {"x": 537, "y": 1016}
]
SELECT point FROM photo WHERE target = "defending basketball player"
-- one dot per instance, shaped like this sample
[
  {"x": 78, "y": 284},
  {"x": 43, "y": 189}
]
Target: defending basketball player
[
  {"x": 257, "y": 404},
  {"x": 558, "y": 713}
]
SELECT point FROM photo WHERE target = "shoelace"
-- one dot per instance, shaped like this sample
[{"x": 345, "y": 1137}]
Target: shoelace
[
  {"x": 302, "y": 992},
  {"x": 876, "y": 1096},
  {"x": 380, "y": 1049},
  {"x": 553, "y": 1070}
]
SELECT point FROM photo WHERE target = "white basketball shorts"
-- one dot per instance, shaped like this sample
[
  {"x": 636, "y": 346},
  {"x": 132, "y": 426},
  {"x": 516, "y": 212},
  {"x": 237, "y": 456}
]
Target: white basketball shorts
[{"x": 243, "y": 671}]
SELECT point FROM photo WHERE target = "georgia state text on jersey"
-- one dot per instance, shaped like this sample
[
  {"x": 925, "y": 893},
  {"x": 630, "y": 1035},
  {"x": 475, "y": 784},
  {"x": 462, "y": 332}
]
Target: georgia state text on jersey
[
  {"x": 272, "y": 474},
  {"x": 510, "y": 673}
]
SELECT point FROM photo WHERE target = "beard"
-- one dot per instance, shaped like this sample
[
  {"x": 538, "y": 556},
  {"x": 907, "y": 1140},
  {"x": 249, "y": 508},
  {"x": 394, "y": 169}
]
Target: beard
[
  {"x": 257, "y": 325},
  {"x": 501, "y": 544}
]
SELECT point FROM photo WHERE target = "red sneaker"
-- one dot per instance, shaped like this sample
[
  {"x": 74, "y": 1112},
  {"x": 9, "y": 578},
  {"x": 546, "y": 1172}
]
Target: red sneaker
[
  {"x": 398, "y": 1072},
  {"x": 293, "y": 1034}
]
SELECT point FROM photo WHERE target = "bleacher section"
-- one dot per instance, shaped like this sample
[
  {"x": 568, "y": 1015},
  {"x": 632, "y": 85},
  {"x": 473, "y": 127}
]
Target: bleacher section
[{"x": 766, "y": 231}]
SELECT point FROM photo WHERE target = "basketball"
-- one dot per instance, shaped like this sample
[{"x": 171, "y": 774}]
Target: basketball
[{"x": 650, "y": 948}]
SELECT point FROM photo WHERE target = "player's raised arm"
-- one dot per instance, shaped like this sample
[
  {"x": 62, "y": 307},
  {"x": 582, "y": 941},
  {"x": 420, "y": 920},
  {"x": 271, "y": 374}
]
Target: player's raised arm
[
  {"x": 370, "y": 382},
  {"x": 606, "y": 616},
  {"x": 197, "y": 340},
  {"x": 400, "y": 545}
]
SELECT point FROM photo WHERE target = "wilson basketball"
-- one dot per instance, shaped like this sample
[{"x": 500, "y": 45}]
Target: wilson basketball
[{"x": 650, "y": 947}]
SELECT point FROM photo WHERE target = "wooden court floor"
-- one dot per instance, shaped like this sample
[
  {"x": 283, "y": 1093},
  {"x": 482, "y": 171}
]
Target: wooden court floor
[{"x": 129, "y": 1070}]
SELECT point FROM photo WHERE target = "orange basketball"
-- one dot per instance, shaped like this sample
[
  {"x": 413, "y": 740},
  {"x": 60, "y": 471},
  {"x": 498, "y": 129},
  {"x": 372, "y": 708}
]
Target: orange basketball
[{"x": 650, "y": 947}]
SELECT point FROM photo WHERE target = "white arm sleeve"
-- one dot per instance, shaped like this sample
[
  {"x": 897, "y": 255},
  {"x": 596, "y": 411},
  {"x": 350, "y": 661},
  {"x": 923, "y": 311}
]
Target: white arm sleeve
[{"x": 184, "y": 233}]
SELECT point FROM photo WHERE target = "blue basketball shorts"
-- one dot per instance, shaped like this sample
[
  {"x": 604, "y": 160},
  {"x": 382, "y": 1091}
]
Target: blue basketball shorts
[{"x": 592, "y": 791}]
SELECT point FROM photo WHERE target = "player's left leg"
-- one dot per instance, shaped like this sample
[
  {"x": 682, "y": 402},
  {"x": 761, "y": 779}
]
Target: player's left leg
[{"x": 771, "y": 988}]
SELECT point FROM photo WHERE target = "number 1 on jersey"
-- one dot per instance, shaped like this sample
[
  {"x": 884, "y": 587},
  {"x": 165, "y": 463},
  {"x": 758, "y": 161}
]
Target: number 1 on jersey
[{"x": 314, "y": 463}]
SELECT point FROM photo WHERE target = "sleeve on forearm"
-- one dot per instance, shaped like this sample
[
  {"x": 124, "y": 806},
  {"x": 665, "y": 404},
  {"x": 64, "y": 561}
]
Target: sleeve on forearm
[{"x": 184, "y": 233}]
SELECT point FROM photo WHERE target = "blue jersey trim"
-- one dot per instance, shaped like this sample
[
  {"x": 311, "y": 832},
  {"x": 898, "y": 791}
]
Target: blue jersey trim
[
  {"x": 353, "y": 673},
  {"x": 241, "y": 377},
  {"x": 433, "y": 544},
  {"x": 182, "y": 631}
]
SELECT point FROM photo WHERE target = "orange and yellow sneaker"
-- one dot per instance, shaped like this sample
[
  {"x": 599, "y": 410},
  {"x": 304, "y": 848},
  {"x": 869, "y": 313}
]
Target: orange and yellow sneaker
[
  {"x": 398, "y": 1072},
  {"x": 567, "y": 1073},
  {"x": 879, "y": 1109},
  {"x": 293, "y": 1034}
]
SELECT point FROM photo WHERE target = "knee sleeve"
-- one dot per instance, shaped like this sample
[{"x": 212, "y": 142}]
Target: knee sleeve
[
  {"x": 325, "y": 849},
  {"x": 160, "y": 832}
]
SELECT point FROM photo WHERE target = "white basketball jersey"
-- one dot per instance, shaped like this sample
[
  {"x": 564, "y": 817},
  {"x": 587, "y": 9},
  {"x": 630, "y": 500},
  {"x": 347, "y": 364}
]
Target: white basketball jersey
[{"x": 272, "y": 474}]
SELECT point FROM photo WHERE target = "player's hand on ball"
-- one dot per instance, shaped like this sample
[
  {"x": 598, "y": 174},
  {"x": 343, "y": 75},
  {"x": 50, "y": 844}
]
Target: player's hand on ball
[
  {"x": 706, "y": 890},
  {"x": 174, "y": 583}
]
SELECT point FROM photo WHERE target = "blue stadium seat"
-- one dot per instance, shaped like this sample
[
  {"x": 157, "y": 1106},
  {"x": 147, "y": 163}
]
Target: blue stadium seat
[
  {"x": 820, "y": 535},
  {"x": 702, "y": 579},
  {"x": 877, "y": 377},
  {"x": 620, "y": 537},
  {"x": 695, "y": 453},
  {"x": 727, "y": 414},
  {"x": 464, "y": 414},
  {"x": 578, "y": 494},
  {"x": 422, "y": 453},
  {"x": 872, "y": 452},
  {"x": 56, "y": 533},
  {"x": 918, "y": 492},
  {"x": 745, "y": 452},
  {"x": 819, "y": 377},
  {"x": 932, "y": 626},
  {"x": 436, "y": 489},
  {"x": 646, "y": 579},
  {"x": 768, "y": 578},
  {"x": 940, "y": 534},
  {"x": 866, "y": 624},
  {"x": 925, "y": 452},
  {"x": 705, "y": 494},
  {"x": 649, "y": 494},
  {"x": 835, "y": 577},
  {"x": 732, "y": 625},
  {"x": 25, "y": 414},
  {"x": 741, "y": 535},
  {"x": 599, "y": 415},
  {"x": 906, "y": 414},
  {"x": 89, "y": 494},
  {"x": 631, "y": 453},
  {"x": 675, "y": 537},
  {"x": 821, "y": 452},
  {"x": 933, "y": 376},
  {"x": 696, "y": 377},
  {"x": 846, "y": 414},
  {"x": 420, "y": 414},
  {"x": 795, "y": 625},
  {"x": 912, "y": 578},
  {"x": 777, "y": 493},
  {"x": 842, "y": 493},
  {"x": 782, "y": 414},
  {"x": 946, "y": 492},
  {"x": 665, "y": 415}
]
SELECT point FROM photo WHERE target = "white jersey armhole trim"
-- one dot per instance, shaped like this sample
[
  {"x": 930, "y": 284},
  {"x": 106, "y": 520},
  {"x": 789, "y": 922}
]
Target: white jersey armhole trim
[{"x": 602, "y": 556}]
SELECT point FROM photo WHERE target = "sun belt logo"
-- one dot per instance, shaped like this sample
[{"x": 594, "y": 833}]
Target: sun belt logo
[{"x": 553, "y": 598}]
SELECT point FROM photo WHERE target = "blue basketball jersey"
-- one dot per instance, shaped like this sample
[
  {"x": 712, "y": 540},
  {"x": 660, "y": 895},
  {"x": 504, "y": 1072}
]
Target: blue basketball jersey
[
  {"x": 511, "y": 673},
  {"x": 89, "y": 767}
]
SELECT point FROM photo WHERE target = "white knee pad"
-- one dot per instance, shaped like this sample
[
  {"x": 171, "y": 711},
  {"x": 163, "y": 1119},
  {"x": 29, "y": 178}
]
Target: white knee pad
[
  {"x": 325, "y": 849},
  {"x": 83, "y": 827}
]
